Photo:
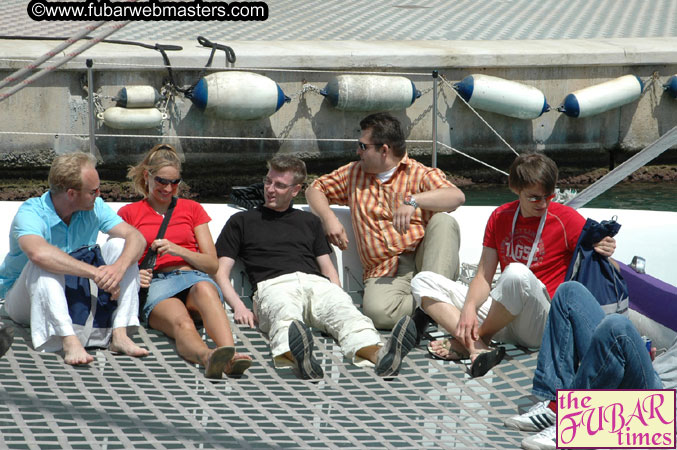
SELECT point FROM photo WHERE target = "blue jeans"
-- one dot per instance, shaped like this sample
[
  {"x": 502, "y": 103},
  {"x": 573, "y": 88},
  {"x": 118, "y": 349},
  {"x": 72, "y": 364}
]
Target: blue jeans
[
  {"x": 168, "y": 284},
  {"x": 584, "y": 349}
]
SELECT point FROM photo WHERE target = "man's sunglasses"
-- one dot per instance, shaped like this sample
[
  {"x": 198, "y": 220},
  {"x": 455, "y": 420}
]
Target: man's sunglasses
[
  {"x": 165, "y": 181},
  {"x": 540, "y": 198},
  {"x": 362, "y": 146}
]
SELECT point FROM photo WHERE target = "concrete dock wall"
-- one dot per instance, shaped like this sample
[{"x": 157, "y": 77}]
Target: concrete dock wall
[{"x": 51, "y": 116}]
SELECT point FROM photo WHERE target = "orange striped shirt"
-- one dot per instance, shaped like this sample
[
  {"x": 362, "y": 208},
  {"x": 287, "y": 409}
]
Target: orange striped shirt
[{"x": 371, "y": 209}]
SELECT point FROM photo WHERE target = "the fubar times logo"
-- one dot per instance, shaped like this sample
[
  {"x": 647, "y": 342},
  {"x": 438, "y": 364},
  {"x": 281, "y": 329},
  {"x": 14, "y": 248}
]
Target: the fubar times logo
[{"x": 618, "y": 418}]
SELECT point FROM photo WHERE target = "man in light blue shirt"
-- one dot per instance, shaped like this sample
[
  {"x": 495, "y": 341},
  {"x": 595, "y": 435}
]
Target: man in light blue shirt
[{"x": 43, "y": 233}]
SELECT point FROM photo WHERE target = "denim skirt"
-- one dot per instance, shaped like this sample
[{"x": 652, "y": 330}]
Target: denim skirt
[{"x": 168, "y": 284}]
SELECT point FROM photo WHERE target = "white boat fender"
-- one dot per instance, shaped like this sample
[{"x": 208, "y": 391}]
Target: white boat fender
[
  {"x": 501, "y": 96},
  {"x": 602, "y": 97},
  {"x": 671, "y": 86},
  {"x": 132, "y": 118},
  {"x": 137, "y": 97},
  {"x": 370, "y": 92},
  {"x": 238, "y": 95}
]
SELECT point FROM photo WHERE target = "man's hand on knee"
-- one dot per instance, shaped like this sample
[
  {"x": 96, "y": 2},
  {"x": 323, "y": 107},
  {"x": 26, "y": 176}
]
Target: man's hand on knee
[{"x": 336, "y": 233}]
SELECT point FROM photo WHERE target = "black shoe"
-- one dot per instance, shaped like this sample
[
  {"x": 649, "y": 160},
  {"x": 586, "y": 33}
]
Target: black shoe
[
  {"x": 401, "y": 341},
  {"x": 486, "y": 360},
  {"x": 301, "y": 347},
  {"x": 6, "y": 339},
  {"x": 421, "y": 320}
]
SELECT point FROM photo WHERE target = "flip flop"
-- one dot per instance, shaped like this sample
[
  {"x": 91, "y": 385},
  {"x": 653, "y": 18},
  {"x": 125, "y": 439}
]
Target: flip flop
[
  {"x": 485, "y": 360},
  {"x": 452, "y": 353},
  {"x": 238, "y": 365},
  {"x": 217, "y": 362}
]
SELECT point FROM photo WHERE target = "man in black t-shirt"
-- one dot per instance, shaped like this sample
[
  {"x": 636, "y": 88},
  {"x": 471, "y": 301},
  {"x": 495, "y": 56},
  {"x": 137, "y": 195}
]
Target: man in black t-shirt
[{"x": 286, "y": 255}]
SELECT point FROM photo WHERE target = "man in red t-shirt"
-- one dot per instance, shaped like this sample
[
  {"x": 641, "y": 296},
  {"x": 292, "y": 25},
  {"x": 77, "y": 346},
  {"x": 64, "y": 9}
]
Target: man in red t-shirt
[{"x": 533, "y": 240}]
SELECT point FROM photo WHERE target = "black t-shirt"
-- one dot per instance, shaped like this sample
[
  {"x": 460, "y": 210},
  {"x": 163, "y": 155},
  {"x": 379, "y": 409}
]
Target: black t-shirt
[{"x": 272, "y": 243}]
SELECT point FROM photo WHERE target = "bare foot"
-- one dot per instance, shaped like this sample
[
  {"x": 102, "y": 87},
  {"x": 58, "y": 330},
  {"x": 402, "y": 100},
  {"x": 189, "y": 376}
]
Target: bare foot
[
  {"x": 478, "y": 347},
  {"x": 121, "y": 343},
  {"x": 448, "y": 349},
  {"x": 74, "y": 352}
]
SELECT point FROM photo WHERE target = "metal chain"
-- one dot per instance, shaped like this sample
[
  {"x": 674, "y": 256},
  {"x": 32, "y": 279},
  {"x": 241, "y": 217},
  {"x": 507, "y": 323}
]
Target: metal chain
[
  {"x": 439, "y": 84},
  {"x": 307, "y": 87},
  {"x": 97, "y": 103},
  {"x": 166, "y": 96},
  {"x": 655, "y": 77}
]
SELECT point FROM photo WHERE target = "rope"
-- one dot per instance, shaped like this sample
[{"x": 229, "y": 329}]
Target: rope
[
  {"x": 188, "y": 92},
  {"x": 612, "y": 178},
  {"x": 478, "y": 115},
  {"x": 251, "y": 69},
  {"x": 225, "y": 138},
  {"x": 105, "y": 41},
  {"x": 69, "y": 56},
  {"x": 16, "y": 76},
  {"x": 472, "y": 158}
]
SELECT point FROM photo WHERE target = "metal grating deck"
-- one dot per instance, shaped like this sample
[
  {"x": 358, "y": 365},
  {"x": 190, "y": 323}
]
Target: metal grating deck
[{"x": 163, "y": 402}]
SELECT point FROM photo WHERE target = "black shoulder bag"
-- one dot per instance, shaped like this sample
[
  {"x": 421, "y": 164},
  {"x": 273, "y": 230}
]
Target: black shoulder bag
[{"x": 148, "y": 261}]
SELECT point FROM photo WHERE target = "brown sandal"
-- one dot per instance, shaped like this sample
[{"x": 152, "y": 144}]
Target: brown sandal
[
  {"x": 238, "y": 365},
  {"x": 217, "y": 362}
]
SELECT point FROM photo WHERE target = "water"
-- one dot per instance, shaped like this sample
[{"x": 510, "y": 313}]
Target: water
[{"x": 650, "y": 196}]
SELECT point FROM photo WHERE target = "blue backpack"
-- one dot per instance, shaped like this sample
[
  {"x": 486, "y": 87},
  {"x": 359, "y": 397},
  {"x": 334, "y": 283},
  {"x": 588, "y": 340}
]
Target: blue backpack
[{"x": 595, "y": 271}]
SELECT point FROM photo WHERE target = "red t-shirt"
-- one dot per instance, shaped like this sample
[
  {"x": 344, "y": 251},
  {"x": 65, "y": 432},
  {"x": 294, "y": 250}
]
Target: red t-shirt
[
  {"x": 558, "y": 240},
  {"x": 187, "y": 215}
]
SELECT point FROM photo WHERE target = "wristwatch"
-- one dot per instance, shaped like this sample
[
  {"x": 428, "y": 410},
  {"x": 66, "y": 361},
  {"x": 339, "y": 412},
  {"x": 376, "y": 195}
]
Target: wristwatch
[{"x": 410, "y": 200}]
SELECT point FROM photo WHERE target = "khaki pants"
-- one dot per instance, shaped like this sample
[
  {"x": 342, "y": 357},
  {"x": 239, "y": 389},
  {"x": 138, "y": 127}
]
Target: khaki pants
[
  {"x": 318, "y": 303},
  {"x": 387, "y": 299}
]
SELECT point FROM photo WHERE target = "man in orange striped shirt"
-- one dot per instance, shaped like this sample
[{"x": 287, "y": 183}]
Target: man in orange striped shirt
[{"x": 393, "y": 200}]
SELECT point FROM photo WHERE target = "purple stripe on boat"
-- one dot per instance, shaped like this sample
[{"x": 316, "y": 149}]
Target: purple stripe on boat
[{"x": 652, "y": 297}]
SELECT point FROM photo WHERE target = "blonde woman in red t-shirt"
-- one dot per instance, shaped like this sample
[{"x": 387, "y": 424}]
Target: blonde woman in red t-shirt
[{"x": 180, "y": 289}]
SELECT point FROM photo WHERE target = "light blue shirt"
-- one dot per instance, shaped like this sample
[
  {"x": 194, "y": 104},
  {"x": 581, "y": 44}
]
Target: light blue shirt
[{"x": 37, "y": 216}]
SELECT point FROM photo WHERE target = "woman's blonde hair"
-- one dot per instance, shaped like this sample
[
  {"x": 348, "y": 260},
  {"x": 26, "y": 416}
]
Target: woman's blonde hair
[{"x": 162, "y": 155}]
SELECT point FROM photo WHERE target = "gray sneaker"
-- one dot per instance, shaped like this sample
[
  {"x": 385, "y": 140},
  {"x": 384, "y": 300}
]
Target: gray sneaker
[
  {"x": 301, "y": 347},
  {"x": 401, "y": 341},
  {"x": 6, "y": 339}
]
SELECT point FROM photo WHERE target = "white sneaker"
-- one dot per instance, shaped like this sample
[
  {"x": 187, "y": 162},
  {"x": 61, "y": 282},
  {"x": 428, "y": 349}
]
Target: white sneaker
[
  {"x": 539, "y": 417},
  {"x": 545, "y": 440}
]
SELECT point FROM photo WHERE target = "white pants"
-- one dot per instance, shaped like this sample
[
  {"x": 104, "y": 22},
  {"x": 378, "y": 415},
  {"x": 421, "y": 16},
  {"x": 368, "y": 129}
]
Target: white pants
[
  {"x": 38, "y": 299},
  {"x": 318, "y": 303},
  {"x": 517, "y": 289}
]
